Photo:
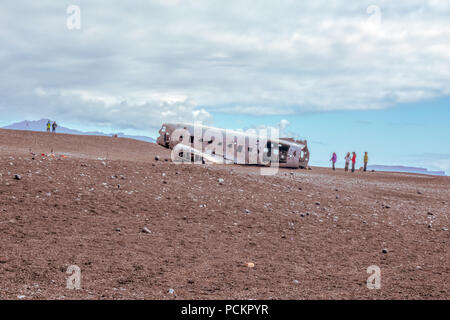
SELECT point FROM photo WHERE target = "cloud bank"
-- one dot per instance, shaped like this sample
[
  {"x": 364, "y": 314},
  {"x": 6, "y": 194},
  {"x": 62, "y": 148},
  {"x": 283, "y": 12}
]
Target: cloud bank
[{"x": 135, "y": 64}]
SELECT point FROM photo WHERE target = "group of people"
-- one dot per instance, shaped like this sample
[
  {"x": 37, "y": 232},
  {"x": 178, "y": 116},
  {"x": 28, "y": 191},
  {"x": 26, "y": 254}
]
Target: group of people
[
  {"x": 52, "y": 126},
  {"x": 349, "y": 158}
]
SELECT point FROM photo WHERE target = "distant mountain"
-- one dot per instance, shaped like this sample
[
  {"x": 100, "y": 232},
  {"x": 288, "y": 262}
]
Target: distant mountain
[
  {"x": 405, "y": 169},
  {"x": 41, "y": 125}
]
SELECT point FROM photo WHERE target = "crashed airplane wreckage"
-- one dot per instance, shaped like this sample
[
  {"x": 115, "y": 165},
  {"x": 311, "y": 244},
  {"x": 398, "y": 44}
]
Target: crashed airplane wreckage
[{"x": 203, "y": 144}]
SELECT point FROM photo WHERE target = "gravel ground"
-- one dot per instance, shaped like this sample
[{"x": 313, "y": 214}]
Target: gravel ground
[{"x": 144, "y": 229}]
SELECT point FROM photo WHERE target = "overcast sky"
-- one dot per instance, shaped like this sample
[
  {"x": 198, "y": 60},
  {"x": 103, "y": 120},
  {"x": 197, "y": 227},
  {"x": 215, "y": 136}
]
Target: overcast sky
[{"x": 134, "y": 64}]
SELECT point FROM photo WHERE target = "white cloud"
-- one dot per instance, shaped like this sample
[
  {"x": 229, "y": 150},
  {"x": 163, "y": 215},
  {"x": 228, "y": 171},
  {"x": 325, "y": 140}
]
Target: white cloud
[{"x": 168, "y": 58}]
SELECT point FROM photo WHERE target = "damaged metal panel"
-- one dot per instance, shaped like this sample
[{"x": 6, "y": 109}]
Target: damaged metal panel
[{"x": 216, "y": 145}]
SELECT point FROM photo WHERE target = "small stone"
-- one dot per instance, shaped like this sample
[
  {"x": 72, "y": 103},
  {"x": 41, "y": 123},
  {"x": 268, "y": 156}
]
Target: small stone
[
  {"x": 430, "y": 213},
  {"x": 146, "y": 230},
  {"x": 157, "y": 158},
  {"x": 171, "y": 291},
  {"x": 295, "y": 281},
  {"x": 221, "y": 181},
  {"x": 317, "y": 203},
  {"x": 17, "y": 177},
  {"x": 419, "y": 192},
  {"x": 384, "y": 251},
  {"x": 118, "y": 229},
  {"x": 247, "y": 211},
  {"x": 387, "y": 206}
]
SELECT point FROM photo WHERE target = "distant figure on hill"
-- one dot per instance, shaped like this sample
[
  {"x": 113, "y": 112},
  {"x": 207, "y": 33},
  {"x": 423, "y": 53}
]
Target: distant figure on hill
[
  {"x": 353, "y": 161},
  {"x": 366, "y": 160},
  {"x": 333, "y": 160},
  {"x": 54, "y": 126},
  {"x": 347, "y": 161},
  {"x": 48, "y": 125}
]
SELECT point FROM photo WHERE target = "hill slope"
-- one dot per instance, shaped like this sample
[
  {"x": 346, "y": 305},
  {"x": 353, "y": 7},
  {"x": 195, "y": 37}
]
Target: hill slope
[{"x": 41, "y": 125}]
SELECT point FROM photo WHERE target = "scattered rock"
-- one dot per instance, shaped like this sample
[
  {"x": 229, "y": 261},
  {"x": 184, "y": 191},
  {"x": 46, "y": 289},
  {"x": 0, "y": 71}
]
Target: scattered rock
[
  {"x": 295, "y": 282},
  {"x": 171, "y": 291},
  {"x": 247, "y": 211},
  {"x": 419, "y": 192},
  {"x": 387, "y": 206},
  {"x": 317, "y": 203},
  {"x": 384, "y": 251},
  {"x": 249, "y": 265},
  {"x": 146, "y": 230},
  {"x": 221, "y": 181},
  {"x": 118, "y": 229},
  {"x": 157, "y": 158},
  {"x": 430, "y": 213},
  {"x": 17, "y": 177}
]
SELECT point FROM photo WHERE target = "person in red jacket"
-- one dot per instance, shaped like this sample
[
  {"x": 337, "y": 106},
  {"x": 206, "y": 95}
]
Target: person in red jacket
[{"x": 353, "y": 161}]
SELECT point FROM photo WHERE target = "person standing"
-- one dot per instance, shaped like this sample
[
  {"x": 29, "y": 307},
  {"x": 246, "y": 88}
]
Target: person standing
[
  {"x": 333, "y": 160},
  {"x": 54, "y": 126},
  {"x": 366, "y": 160},
  {"x": 347, "y": 161},
  {"x": 48, "y": 125},
  {"x": 353, "y": 161}
]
